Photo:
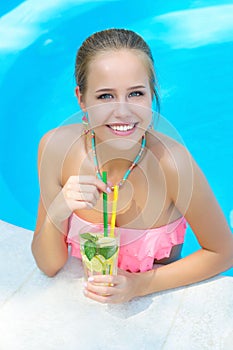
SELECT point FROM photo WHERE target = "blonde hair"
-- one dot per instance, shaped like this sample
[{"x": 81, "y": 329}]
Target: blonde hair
[{"x": 113, "y": 39}]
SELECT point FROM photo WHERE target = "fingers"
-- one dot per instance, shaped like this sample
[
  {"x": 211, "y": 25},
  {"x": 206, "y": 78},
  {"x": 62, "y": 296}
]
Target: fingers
[
  {"x": 83, "y": 195},
  {"x": 89, "y": 180},
  {"x": 79, "y": 192},
  {"x": 83, "y": 192},
  {"x": 105, "y": 289},
  {"x": 103, "y": 293},
  {"x": 105, "y": 279},
  {"x": 112, "y": 289},
  {"x": 99, "y": 298}
]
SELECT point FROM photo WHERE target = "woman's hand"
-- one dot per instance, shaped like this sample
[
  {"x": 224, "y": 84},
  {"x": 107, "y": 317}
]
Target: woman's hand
[
  {"x": 113, "y": 289},
  {"x": 83, "y": 192},
  {"x": 79, "y": 192}
]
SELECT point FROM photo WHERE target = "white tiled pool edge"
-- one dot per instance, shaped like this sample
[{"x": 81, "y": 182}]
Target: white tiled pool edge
[{"x": 37, "y": 312}]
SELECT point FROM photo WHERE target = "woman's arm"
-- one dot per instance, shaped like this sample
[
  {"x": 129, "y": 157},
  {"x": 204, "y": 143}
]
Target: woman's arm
[
  {"x": 194, "y": 198},
  {"x": 49, "y": 246},
  {"x": 57, "y": 202}
]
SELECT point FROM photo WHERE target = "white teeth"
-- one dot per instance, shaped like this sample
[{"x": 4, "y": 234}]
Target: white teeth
[{"x": 122, "y": 127}]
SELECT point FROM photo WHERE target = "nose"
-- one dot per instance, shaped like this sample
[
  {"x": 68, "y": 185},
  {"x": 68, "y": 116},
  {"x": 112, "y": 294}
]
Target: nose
[{"x": 121, "y": 110}]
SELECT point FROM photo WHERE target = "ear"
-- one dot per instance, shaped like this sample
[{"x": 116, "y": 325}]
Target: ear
[{"x": 80, "y": 99}]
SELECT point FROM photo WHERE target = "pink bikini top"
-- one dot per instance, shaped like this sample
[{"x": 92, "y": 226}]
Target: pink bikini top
[{"x": 138, "y": 248}]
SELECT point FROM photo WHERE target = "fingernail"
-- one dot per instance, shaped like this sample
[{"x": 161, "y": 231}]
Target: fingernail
[
  {"x": 90, "y": 279},
  {"x": 109, "y": 190},
  {"x": 85, "y": 284}
]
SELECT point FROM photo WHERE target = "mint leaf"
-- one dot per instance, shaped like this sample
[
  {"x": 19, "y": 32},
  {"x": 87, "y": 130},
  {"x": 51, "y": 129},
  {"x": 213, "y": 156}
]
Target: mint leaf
[
  {"x": 89, "y": 249},
  {"x": 107, "y": 252},
  {"x": 89, "y": 237}
]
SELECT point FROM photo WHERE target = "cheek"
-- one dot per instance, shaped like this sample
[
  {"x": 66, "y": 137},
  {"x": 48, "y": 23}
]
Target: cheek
[
  {"x": 143, "y": 113},
  {"x": 100, "y": 114}
]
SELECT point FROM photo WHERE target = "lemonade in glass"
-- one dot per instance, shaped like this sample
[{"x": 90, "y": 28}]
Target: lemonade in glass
[{"x": 99, "y": 253}]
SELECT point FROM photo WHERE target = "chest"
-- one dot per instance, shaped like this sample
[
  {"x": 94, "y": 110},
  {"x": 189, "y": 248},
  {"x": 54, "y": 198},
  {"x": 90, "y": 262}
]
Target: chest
[{"x": 143, "y": 200}]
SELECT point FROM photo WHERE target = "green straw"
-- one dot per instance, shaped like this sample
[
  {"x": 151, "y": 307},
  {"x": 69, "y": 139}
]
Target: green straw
[{"x": 105, "y": 205}]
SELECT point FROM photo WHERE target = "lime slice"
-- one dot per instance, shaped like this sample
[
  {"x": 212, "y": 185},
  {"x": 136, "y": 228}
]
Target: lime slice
[
  {"x": 87, "y": 262},
  {"x": 96, "y": 264},
  {"x": 101, "y": 258}
]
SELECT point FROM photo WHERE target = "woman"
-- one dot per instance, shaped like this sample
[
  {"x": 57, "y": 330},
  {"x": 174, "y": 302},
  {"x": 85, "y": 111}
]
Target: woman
[{"x": 160, "y": 185}]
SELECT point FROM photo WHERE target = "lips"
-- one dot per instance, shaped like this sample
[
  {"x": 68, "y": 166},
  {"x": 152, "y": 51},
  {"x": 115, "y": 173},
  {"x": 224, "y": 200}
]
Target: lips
[{"x": 122, "y": 127}]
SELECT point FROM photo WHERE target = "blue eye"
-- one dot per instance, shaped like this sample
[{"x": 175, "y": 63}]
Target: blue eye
[
  {"x": 136, "y": 94},
  {"x": 105, "y": 96}
]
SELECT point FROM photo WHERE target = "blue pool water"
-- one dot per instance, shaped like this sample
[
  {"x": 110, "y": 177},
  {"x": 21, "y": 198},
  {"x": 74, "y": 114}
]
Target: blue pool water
[{"x": 192, "y": 43}]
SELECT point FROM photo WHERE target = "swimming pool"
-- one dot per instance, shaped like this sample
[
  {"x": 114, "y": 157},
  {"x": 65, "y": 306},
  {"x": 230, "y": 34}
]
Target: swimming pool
[{"x": 193, "y": 58}]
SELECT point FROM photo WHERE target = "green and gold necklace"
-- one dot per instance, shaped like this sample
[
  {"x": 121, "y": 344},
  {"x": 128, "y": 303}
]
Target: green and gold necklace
[{"x": 132, "y": 166}]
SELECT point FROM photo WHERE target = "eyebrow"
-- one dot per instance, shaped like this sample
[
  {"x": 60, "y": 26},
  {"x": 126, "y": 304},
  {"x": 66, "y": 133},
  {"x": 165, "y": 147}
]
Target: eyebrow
[{"x": 131, "y": 88}]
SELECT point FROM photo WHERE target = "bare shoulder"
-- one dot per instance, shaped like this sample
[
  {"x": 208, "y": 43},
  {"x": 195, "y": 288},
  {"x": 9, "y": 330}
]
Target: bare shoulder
[
  {"x": 171, "y": 154},
  {"x": 54, "y": 147},
  {"x": 58, "y": 141},
  {"x": 178, "y": 168},
  {"x": 61, "y": 136}
]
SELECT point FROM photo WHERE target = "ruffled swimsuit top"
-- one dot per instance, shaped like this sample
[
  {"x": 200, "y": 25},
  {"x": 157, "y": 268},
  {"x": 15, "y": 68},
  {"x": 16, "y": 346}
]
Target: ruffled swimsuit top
[{"x": 138, "y": 248}]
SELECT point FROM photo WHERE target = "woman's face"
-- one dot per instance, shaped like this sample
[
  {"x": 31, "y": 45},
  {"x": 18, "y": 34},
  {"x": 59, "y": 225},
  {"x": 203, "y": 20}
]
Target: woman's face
[{"x": 118, "y": 98}]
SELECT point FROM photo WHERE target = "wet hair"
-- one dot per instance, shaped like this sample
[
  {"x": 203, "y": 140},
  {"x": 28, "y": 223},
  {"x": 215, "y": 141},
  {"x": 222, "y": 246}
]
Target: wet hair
[{"x": 109, "y": 40}]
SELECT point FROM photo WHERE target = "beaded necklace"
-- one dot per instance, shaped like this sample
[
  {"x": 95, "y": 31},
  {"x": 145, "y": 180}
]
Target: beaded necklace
[{"x": 132, "y": 166}]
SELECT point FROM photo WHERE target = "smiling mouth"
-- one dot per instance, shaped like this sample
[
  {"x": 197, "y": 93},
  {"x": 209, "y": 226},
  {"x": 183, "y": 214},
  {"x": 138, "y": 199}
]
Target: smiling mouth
[{"x": 122, "y": 127}]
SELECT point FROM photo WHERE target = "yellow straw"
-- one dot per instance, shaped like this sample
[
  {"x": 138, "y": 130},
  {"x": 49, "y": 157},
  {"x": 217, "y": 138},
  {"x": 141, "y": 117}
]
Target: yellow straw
[{"x": 114, "y": 208}]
